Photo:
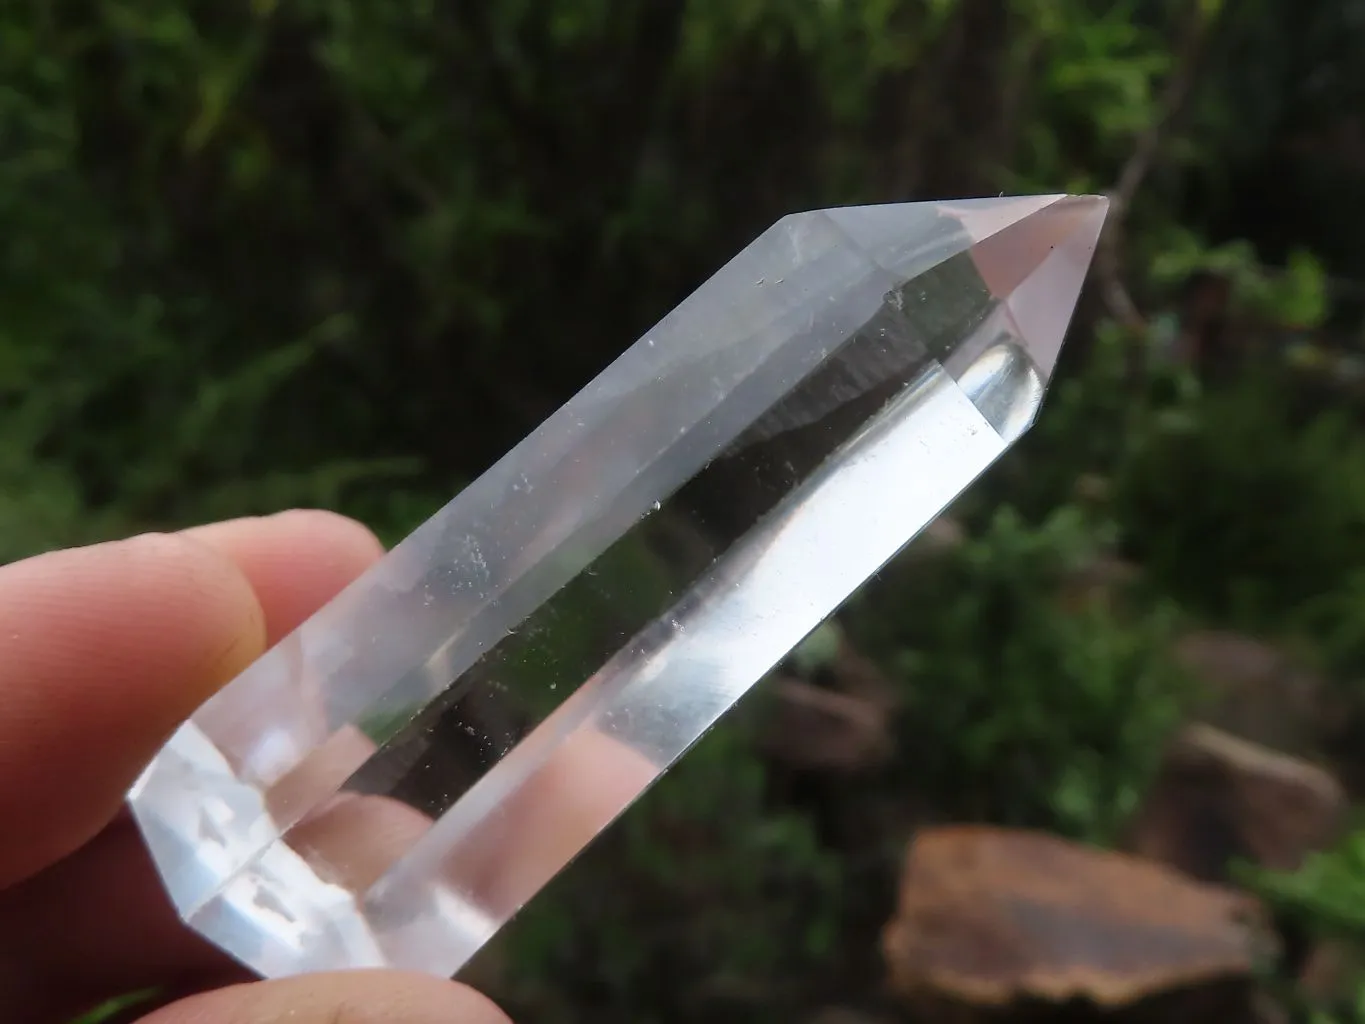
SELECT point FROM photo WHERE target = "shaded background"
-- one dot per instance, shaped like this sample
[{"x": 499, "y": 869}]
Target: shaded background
[{"x": 345, "y": 252}]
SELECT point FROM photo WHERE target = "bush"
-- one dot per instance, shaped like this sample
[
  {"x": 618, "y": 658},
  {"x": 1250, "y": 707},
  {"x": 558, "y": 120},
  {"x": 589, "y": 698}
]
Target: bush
[
  {"x": 1021, "y": 709},
  {"x": 1323, "y": 900},
  {"x": 1242, "y": 513}
]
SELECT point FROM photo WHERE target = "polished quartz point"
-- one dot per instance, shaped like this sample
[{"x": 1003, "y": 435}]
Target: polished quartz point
[{"x": 394, "y": 780}]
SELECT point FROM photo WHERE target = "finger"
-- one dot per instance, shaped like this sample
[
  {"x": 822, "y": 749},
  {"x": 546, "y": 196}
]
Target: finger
[
  {"x": 498, "y": 862},
  {"x": 94, "y": 925},
  {"x": 547, "y": 821},
  {"x": 351, "y": 997},
  {"x": 103, "y": 652},
  {"x": 296, "y": 561},
  {"x": 354, "y": 839}
]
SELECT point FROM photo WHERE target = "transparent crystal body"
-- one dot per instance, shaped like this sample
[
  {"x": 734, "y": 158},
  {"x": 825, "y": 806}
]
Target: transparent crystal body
[{"x": 393, "y": 781}]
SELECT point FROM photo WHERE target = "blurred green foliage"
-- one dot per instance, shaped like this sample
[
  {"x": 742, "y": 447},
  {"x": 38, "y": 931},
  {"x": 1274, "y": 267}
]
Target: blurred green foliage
[
  {"x": 1240, "y": 449},
  {"x": 344, "y": 252},
  {"x": 1326, "y": 899},
  {"x": 1022, "y": 708}
]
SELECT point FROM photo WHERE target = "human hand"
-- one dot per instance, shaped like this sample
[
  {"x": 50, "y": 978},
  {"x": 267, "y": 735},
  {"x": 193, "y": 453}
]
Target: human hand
[{"x": 104, "y": 650}]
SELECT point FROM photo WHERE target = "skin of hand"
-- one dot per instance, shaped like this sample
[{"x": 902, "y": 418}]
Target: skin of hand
[{"x": 104, "y": 650}]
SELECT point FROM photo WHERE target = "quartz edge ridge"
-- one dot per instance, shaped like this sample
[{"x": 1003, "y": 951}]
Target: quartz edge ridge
[{"x": 950, "y": 207}]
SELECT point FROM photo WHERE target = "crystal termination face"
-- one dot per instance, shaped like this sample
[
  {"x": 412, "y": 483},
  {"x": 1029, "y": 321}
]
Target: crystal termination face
[{"x": 394, "y": 780}]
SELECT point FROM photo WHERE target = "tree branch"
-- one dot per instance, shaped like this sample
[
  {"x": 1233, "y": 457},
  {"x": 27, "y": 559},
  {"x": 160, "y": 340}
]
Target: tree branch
[{"x": 1146, "y": 148}]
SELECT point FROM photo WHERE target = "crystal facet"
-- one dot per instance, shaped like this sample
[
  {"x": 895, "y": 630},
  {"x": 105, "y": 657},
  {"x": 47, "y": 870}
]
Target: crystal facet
[{"x": 394, "y": 780}]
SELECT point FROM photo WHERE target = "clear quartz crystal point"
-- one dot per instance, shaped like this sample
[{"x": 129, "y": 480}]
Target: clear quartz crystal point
[{"x": 393, "y": 781}]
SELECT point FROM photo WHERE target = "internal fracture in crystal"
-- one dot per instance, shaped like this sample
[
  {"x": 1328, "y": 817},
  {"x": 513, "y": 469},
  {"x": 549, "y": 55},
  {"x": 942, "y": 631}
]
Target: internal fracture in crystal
[{"x": 394, "y": 780}]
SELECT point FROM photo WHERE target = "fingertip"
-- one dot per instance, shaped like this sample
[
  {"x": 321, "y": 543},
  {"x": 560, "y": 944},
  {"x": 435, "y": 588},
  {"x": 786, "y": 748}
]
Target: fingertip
[
  {"x": 344, "y": 540},
  {"x": 295, "y": 560},
  {"x": 352, "y": 997},
  {"x": 351, "y": 539},
  {"x": 211, "y": 600}
]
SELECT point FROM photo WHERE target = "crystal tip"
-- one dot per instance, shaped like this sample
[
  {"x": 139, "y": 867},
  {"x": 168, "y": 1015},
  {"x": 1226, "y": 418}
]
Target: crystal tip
[{"x": 1034, "y": 255}]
